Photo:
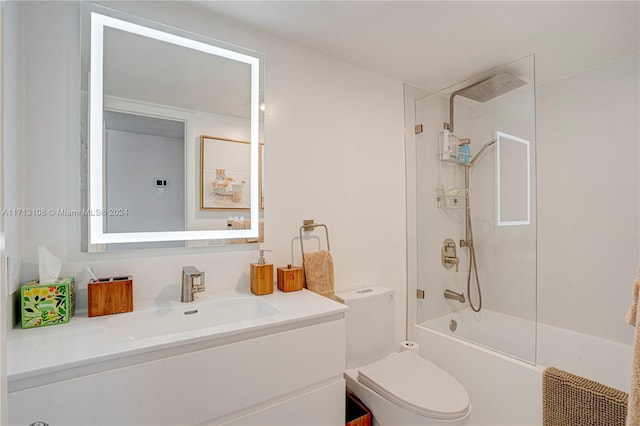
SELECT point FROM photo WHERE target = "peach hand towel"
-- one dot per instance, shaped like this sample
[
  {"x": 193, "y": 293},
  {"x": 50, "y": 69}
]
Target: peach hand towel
[
  {"x": 633, "y": 407},
  {"x": 246, "y": 224},
  {"x": 318, "y": 271},
  {"x": 632, "y": 312}
]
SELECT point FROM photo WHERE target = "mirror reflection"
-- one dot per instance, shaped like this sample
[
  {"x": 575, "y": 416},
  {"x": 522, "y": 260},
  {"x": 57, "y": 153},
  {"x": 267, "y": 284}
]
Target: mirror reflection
[
  {"x": 153, "y": 95},
  {"x": 155, "y": 71},
  {"x": 513, "y": 180},
  {"x": 144, "y": 171}
]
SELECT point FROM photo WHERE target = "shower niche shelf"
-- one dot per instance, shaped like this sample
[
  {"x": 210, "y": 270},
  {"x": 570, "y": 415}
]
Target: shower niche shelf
[{"x": 451, "y": 198}]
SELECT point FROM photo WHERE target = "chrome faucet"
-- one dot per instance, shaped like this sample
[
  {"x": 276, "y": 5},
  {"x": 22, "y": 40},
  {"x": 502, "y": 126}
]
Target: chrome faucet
[
  {"x": 449, "y": 294},
  {"x": 192, "y": 282}
]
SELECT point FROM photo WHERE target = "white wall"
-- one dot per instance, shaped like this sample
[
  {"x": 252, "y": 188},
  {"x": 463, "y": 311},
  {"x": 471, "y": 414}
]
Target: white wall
[
  {"x": 13, "y": 153},
  {"x": 333, "y": 153},
  {"x": 588, "y": 203},
  {"x": 13, "y": 157},
  {"x": 3, "y": 254},
  {"x": 134, "y": 161}
]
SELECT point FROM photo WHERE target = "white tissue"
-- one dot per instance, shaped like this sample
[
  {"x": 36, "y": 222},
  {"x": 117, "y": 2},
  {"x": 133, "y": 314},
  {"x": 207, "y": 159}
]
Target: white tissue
[{"x": 49, "y": 266}]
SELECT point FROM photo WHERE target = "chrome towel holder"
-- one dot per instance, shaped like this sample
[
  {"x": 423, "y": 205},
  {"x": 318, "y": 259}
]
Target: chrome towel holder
[{"x": 308, "y": 226}]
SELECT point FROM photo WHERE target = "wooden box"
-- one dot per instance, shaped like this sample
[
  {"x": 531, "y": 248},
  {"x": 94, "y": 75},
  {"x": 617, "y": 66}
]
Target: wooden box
[
  {"x": 110, "y": 296},
  {"x": 290, "y": 278},
  {"x": 357, "y": 413},
  {"x": 261, "y": 278}
]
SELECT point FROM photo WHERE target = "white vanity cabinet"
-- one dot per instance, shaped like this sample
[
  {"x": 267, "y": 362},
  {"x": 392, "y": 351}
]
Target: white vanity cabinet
[{"x": 279, "y": 376}]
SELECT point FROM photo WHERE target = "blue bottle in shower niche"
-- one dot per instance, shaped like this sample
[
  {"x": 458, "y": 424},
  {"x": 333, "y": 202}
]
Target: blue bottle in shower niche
[{"x": 464, "y": 150}]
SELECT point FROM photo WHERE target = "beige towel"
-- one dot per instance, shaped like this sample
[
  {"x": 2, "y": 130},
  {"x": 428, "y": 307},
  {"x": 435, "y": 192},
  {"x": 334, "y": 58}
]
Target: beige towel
[
  {"x": 246, "y": 224},
  {"x": 318, "y": 271},
  {"x": 633, "y": 407},
  {"x": 632, "y": 312}
]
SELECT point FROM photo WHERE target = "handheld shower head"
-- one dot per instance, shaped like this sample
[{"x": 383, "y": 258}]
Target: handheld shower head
[
  {"x": 485, "y": 90},
  {"x": 479, "y": 154}
]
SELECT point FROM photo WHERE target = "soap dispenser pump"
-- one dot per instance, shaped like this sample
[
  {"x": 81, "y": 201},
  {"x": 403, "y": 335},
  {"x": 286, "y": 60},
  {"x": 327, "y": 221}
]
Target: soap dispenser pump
[{"x": 262, "y": 276}]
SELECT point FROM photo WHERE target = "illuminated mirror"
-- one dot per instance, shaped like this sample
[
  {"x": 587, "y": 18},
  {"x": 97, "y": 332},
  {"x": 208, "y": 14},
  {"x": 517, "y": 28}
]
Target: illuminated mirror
[
  {"x": 153, "y": 92},
  {"x": 513, "y": 180}
]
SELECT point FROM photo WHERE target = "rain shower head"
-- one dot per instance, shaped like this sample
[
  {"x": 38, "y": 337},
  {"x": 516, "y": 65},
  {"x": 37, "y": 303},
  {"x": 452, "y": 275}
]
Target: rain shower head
[
  {"x": 492, "y": 87},
  {"x": 485, "y": 90}
]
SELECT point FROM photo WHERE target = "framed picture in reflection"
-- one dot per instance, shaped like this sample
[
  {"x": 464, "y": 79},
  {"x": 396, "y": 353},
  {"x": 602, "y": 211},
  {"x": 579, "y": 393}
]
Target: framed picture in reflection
[{"x": 225, "y": 173}]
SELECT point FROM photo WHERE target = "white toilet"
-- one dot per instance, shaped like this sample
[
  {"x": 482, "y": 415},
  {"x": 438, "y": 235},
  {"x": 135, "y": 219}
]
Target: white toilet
[{"x": 400, "y": 388}]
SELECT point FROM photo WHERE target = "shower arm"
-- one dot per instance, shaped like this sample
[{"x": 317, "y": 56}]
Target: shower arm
[
  {"x": 456, "y": 93},
  {"x": 453, "y": 95},
  {"x": 485, "y": 90}
]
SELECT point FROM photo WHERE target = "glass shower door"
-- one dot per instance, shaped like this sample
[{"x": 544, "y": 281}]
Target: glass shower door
[{"x": 475, "y": 210}]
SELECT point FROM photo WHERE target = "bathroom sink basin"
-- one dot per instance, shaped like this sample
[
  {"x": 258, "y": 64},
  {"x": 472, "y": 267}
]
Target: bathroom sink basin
[{"x": 186, "y": 317}]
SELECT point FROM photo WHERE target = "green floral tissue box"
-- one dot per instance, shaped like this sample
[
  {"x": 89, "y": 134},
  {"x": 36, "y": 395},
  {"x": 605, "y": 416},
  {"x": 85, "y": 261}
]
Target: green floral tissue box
[{"x": 47, "y": 304}]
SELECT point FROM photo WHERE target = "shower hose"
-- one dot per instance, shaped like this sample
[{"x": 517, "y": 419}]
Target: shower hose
[{"x": 473, "y": 265}]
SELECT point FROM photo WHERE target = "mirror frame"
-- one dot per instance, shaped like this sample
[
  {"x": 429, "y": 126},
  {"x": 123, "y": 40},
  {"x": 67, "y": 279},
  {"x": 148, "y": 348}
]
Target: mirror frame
[
  {"x": 515, "y": 139},
  {"x": 96, "y": 209}
]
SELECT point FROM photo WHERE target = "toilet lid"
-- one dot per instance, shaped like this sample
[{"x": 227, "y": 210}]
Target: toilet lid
[{"x": 417, "y": 385}]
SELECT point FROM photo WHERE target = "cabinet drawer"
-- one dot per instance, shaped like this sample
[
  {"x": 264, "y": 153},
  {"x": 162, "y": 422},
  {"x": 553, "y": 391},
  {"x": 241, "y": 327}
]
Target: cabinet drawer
[{"x": 191, "y": 388}]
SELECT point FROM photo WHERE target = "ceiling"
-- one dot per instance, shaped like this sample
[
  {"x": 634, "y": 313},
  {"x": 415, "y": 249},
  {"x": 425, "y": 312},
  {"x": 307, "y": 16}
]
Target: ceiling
[{"x": 434, "y": 44}]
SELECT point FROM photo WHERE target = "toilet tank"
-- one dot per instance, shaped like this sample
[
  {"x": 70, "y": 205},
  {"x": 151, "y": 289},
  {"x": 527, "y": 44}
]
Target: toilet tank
[{"x": 370, "y": 323}]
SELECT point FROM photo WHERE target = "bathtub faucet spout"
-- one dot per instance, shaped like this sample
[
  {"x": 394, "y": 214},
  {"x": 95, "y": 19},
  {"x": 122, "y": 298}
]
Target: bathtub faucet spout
[{"x": 449, "y": 294}]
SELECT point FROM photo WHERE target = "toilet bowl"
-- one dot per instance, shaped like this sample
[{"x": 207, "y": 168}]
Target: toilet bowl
[{"x": 400, "y": 388}]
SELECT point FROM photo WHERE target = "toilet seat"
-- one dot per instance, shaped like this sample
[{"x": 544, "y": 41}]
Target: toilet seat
[{"x": 417, "y": 385}]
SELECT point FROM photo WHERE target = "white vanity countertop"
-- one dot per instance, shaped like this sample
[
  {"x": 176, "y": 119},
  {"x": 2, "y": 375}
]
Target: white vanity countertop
[{"x": 84, "y": 340}]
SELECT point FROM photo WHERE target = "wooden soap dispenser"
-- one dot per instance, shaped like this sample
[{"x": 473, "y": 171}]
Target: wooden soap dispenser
[{"x": 261, "y": 276}]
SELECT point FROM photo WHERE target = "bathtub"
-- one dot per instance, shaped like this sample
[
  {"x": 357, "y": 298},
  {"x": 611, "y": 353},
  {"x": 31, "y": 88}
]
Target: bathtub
[
  {"x": 488, "y": 329},
  {"x": 503, "y": 370}
]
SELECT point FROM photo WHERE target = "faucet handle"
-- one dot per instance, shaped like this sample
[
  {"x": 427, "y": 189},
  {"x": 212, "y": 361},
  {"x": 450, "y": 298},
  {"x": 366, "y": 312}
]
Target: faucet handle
[{"x": 450, "y": 261}]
